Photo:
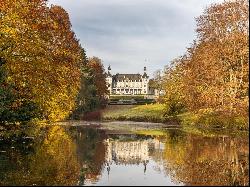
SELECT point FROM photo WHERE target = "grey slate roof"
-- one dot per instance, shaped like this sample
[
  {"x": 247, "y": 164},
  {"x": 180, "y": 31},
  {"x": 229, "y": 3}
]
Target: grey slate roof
[{"x": 121, "y": 77}]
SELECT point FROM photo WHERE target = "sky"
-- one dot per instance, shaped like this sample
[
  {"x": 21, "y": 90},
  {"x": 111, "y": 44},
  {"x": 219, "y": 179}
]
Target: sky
[{"x": 131, "y": 34}]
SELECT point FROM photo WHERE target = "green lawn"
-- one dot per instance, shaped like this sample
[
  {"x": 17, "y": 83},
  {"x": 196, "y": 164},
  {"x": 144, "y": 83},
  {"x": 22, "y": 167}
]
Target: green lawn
[{"x": 150, "y": 112}]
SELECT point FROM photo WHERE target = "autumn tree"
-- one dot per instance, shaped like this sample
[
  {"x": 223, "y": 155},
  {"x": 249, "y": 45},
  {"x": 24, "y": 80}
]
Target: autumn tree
[
  {"x": 173, "y": 86},
  {"x": 98, "y": 73},
  {"x": 86, "y": 99},
  {"x": 219, "y": 59},
  {"x": 42, "y": 56},
  {"x": 93, "y": 89},
  {"x": 214, "y": 70}
]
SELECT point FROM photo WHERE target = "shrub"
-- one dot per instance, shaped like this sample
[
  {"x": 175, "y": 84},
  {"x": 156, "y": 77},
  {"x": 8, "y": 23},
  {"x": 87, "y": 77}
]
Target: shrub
[{"x": 173, "y": 108}]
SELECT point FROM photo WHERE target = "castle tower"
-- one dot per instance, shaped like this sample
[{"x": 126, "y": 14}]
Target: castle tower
[
  {"x": 109, "y": 80},
  {"x": 109, "y": 68},
  {"x": 145, "y": 81}
]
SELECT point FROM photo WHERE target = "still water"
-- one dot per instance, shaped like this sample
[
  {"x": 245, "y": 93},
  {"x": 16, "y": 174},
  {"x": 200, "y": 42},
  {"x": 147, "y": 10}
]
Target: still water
[{"x": 83, "y": 155}]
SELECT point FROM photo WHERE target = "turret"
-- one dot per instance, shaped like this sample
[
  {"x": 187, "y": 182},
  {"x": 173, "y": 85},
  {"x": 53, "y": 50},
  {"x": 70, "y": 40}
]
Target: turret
[
  {"x": 145, "y": 81},
  {"x": 145, "y": 74},
  {"x": 109, "y": 81},
  {"x": 109, "y": 70}
]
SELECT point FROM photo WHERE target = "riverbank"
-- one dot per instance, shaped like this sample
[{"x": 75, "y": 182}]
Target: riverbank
[
  {"x": 204, "y": 122},
  {"x": 145, "y": 118}
]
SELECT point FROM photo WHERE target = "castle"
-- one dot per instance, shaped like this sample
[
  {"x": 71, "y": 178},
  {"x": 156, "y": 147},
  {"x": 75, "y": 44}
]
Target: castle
[{"x": 127, "y": 84}]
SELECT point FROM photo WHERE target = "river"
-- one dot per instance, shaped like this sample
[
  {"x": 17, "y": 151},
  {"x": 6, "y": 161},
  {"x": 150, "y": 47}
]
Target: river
[{"x": 121, "y": 153}]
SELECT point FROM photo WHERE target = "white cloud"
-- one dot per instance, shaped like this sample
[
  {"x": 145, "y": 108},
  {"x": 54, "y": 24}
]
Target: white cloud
[{"x": 124, "y": 33}]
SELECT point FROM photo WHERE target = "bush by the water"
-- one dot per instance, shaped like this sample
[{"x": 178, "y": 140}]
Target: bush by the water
[{"x": 208, "y": 119}]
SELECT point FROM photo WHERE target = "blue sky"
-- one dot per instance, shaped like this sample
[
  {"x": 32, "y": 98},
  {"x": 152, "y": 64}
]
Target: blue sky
[{"x": 131, "y": 34}]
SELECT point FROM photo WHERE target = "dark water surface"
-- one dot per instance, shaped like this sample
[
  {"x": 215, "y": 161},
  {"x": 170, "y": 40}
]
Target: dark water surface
[{"x": 81, "y": 155}]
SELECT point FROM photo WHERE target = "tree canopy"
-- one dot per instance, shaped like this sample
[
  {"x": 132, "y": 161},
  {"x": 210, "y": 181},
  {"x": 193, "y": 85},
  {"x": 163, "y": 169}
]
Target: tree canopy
[
  {"x": 213, "y": 73},
  {"x": 41, "y": 60}
]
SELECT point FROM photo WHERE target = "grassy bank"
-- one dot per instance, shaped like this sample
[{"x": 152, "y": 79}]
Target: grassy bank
[
  {"x": 148, "y": 113},
  {"x": 203, "y": 122}
]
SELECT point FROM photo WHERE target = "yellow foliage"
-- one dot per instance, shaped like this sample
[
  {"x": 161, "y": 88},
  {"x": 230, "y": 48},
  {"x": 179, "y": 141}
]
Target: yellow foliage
[{"x": 42, "y": 55}]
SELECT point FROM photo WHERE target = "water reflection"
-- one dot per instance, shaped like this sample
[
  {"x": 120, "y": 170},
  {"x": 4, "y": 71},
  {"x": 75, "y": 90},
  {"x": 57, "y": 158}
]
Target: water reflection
[
  {"x": 51, "y": 161},
  {"x": 131, "y": 152},
  {"x": 77, "y": 155},
  {"x": 207, "y": 161}
]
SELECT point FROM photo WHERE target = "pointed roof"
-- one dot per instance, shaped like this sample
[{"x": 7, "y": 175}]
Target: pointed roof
[
  {"x": 145, "y": 75},
  {"x": 109, "y": 74}
]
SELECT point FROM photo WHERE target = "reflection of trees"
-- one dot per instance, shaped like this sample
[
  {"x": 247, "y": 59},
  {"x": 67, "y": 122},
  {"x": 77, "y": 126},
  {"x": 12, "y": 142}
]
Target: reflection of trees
[
  {"x": 68, "y": 156},
  {"x": 90, "y": 151},
  {"x": 56, "y": 160},
  {"x": 56, "y": 156},
  {"x": 196, "y": 160},
  {"x": 53, "y": 163}
]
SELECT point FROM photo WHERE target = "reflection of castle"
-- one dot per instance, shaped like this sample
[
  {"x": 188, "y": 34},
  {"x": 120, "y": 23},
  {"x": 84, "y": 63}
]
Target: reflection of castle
[{"x": 130, "y": 152}]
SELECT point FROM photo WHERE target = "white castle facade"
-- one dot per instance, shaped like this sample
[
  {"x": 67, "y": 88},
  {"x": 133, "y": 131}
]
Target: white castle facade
[{"x": 127, "y": 84}]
